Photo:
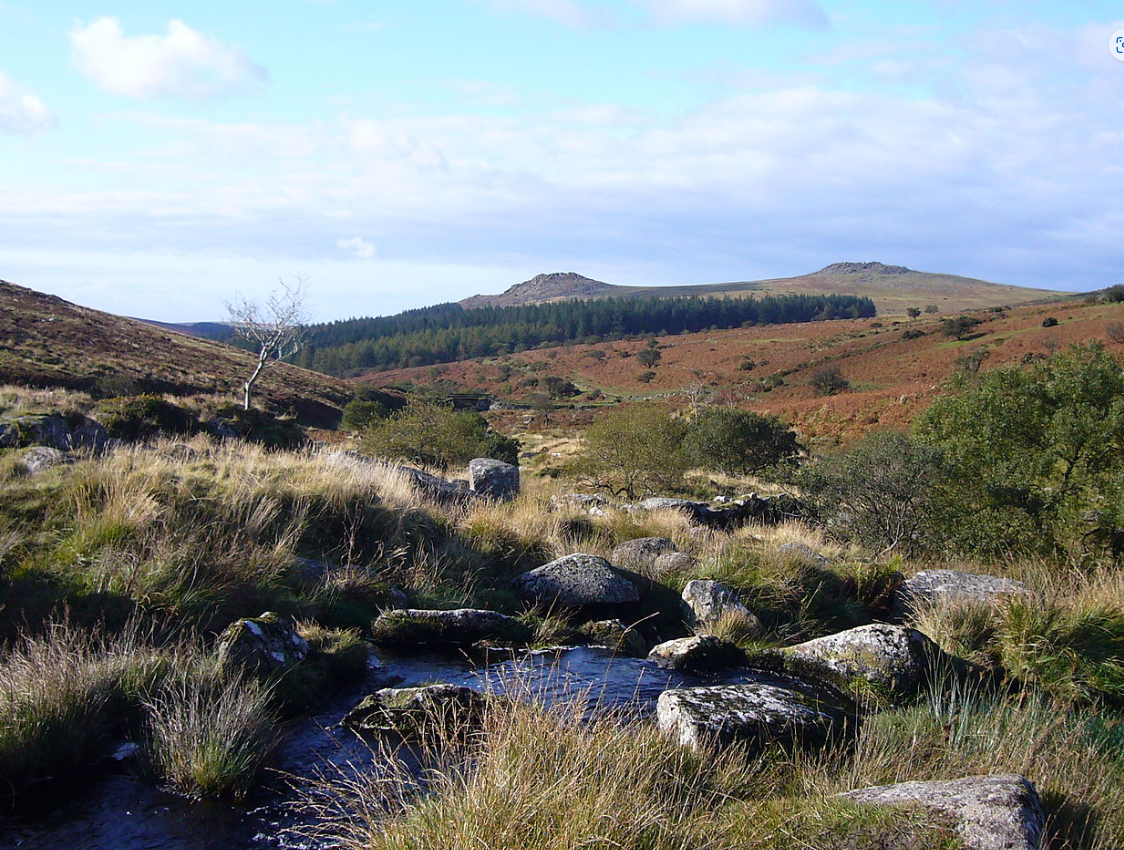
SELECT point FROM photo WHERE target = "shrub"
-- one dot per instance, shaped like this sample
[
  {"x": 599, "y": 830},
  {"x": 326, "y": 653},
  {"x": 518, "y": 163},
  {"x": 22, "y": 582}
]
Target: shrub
[
  {"x": 959, "y": 326},
  {"x": 1035, "y": 454},
  {"x": 648, "y": 357},
  {"x": 1115, "y": 331},
  {"x": 738, "y": 442},
  {"x": 913, "y": 312},
  {"x": 932, "y": 308},
  {"x": 747, "y": 365},
  {"x": 261, "y": 426},
  {"x": 140, "y": 417},
  {"x": 912, "y": 333},
  {"x": 645, "y": 377},
  {"x": 829, "y": 381},
  {"x": 360, "y": 414},
  {"x": 1115, "y": 293},
  {"x": 881, "y": 491},
  {"x": 560, "y": 387},
  {"x": 436, "y": 435},
  {"x": 634, "y": 450},
  {"x": 1049, "y": 322}
]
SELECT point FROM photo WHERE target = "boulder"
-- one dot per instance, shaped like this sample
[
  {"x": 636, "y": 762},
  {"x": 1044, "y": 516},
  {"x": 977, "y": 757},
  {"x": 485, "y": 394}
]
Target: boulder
[
  {"x": 493, "y": 479},
  {"x": 262, "y": 644},
  {"x": 35, "y": 430},
  {"x": 617, "y": 637},
  {"x": 588, "y": 502},
  {"x": 641, "y": 553},
  {"x": 577, "y": 581},
  {"x": 415, "y": 712},
  {"x": 892, "y": 659},
  {"x": 803, "y": 554},
  {"x": 707, "y": 602},
  {"x": 41, "y": 458},
  {"x": 698, "y": 654},
  {"x": 1000, "y": 812},
  {"x": 930, "y": 588},
  {"x": 673, "y": 562},
  {"x": 418, "y": 626},
  {"x": 91, "y": 434},
  {"x": 756, "y": 713}
]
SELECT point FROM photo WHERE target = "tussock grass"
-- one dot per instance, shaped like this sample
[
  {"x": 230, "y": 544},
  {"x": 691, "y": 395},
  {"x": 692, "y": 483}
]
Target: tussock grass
[{"x": 211, "y": 739}]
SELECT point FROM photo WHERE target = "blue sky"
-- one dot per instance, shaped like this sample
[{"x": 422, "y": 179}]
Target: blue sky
[{"x": 157, "y": 158}]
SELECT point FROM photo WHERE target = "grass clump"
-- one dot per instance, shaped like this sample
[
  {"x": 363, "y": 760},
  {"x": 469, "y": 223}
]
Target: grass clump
[{"x": 211, "y": 740}]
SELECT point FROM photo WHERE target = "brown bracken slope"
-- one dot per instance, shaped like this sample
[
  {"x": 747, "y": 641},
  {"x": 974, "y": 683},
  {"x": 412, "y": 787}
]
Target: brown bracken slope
[
  {"x": 46, "y": 341},
  {"x": 892, "y": 378}
]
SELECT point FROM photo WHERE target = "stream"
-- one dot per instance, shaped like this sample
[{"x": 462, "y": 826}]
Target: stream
[{"x": 114, "y": 809}]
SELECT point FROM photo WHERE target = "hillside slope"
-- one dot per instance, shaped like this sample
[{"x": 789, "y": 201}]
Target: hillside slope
[
  {"x": 893, "y": 288},
  {"x": 46, "y": 341},
  {"x": 769, "y": 368}
]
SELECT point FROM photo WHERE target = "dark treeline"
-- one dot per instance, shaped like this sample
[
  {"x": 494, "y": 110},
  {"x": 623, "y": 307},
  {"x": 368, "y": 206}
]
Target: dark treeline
[{"x": 447, "y": 332}]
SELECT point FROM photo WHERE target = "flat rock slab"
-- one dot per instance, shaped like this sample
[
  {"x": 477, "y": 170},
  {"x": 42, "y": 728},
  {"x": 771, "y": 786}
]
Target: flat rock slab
[
  {"x": 698, "y": 654},
  {"x": 754, "y": 713},
  {"x": 894, "y": 659},
  {"x": 577, "y": 581},
  {"x": 1001, "y": 812},
  {"x": 943, "y": 587},
  {"x": 413, "y": 712},
  {"x": 419, "y": 626}
]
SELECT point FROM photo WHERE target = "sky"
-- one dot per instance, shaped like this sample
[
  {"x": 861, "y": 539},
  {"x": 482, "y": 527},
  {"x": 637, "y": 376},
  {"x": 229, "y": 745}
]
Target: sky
[{"x": 158, "y": 159}]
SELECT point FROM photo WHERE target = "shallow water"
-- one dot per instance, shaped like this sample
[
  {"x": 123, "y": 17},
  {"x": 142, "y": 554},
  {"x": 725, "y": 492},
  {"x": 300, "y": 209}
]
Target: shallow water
[{"x": 115, "y": 810}]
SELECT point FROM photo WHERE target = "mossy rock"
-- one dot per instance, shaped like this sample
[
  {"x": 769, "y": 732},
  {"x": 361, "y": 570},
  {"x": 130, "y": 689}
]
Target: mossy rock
[{"x": 416, "y": 712}]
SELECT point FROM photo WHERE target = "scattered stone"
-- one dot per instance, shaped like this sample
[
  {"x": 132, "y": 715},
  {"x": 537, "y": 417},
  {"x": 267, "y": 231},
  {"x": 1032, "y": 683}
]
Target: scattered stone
[
  {"x": 493, "y": 479},
  {"x": 577, "y": 581},
  {"x": 894, "y": 659},
  {"x": 41, "y": 458},
  {"x": 803, "y": 554},
  {"x": 1000, "y": 812},
  {"x": 698, "y": 654},
  {"x": 419, "y": 626},
  {"x": 414, "y": 712},
  {"x": 222, "y": 428},
  {"x": 708, "y": 602},
  {"x": 673, "y": 562},
  {"x": 617, "y": 637},
  {"x": 641, "y": 553},
  {"x": 756, "y": 713},
  {"x": 91, "y": 434},
  {"x": 261, "y": 644},
  {"x": 35, "y": 430},
  {"x": 591, "y": 503},
  {"x": 943, "y": 587}
]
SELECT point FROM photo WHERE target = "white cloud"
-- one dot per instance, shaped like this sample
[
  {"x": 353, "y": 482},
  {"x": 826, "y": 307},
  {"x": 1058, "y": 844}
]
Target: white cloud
[
  {"x": 20, "y": 111},
  {"x": 805, "y": 13},
  {"x": 183, "y": 62},
  {"x": 357, "y": 247}
]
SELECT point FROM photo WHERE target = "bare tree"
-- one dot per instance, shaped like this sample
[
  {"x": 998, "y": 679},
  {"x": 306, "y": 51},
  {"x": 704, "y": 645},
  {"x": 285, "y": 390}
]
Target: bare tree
[{"x": 276, "y": 328}]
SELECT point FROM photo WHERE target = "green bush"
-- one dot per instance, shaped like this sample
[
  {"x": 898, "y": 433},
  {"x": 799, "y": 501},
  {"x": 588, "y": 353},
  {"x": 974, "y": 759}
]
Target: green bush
[
  {"x": 262, "y": 426},
  {"x": 829, "y": 381},
  {"x": 649, "y": 357},
  {"x": 635, "y": 450},
  {"x": 359, "y": 414},
  {"x": 1034, "y": 454},
  {"x": 738, "y": 442},
  {"x": 959, "y": 326},
  {"x": 140, "y": 417},
  {"x": 434, "y": 434}
]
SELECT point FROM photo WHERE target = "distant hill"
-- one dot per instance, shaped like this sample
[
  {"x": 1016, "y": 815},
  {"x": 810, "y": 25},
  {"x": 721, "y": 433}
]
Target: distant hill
[
  {"x": 207, "y": 330},
  {"x": 46, "y": 341},
  {"x": 892, "y": 288}
]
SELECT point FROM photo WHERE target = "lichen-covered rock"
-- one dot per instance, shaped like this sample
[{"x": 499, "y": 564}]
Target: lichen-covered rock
[
  {"x": 261, "y": 644},
  {"x": 588, "y": 502},
  {"x": 707, "y": 602},
  {"x": 893, "y": 659},
  {"x": 804, "y": 554},
  {"x": 577, "y": 581},
  {"x": 932, "y": 588},
  {"x": 1000, "y": 812},
  {"x": 754, "y": 713},
  {"x": 670, "y": 563},
  {"x": 41, "y": 458},
  {"x": 35, "y": 430},
  {"x": 493, "y": 479},
  {"x": 697, "y": 654},
  {"x": 617, "y": 637},
  {"x": 641, "y": 553},
  {"x": 418, "y": 626},
  {"x": 414, "y": 712}
]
